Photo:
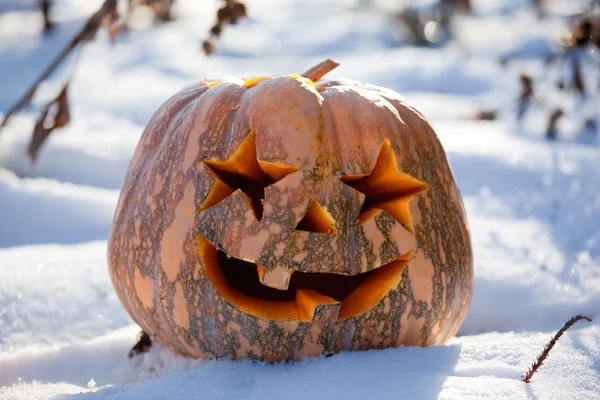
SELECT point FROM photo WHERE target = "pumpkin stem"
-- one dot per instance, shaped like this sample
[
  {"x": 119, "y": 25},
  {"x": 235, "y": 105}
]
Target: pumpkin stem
[{"x": 318, "y": 71}]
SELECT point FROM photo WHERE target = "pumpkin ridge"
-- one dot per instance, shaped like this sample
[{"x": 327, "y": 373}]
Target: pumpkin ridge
[
  {"x": 337, "y": 153},
  {"x": 366, "y": 141},
  {"x": 222, "y": 92}
]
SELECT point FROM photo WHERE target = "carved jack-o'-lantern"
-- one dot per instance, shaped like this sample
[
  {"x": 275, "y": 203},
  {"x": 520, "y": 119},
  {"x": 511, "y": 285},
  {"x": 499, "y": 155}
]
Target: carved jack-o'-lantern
[{"x": 281, "y": 217}]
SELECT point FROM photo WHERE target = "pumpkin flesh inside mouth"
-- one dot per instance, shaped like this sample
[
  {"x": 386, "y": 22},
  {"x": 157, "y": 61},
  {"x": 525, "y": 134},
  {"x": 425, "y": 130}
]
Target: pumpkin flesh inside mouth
[{"x": 239, "y": 284}]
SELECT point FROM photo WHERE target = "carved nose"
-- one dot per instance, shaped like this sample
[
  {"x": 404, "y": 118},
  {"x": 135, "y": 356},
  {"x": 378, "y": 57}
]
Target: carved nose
[{"x": 277, "y": 278}]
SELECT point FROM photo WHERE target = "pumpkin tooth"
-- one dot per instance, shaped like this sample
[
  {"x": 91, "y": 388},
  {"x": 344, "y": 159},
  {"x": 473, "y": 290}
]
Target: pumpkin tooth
[
  {"x": 260, "y": 269},
  {"x": 278, "y": 278},
  {"x": 314, "y": 305},
  {"x": 329, "y": 312}
]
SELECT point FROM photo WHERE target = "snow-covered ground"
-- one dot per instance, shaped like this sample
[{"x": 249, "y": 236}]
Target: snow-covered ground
[{"x": 534, "y": 207}]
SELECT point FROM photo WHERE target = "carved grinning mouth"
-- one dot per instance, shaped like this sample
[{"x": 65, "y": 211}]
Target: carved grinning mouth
[{"x": 238, "y": 282}]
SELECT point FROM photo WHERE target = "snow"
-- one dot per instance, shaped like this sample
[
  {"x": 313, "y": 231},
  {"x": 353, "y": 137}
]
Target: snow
[{"x": 533, "y": 206}]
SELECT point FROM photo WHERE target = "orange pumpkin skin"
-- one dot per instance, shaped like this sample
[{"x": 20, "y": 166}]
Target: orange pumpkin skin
[{"x": 177, "y": 228}]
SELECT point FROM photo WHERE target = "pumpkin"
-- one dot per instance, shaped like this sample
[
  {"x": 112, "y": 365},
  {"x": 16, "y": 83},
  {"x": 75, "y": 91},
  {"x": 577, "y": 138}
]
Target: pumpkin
[{"x": 280, "y": 217}]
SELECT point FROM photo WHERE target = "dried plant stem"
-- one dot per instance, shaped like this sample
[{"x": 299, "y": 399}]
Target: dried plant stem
[
  {"x": 142, "y": 346},
  {"x": 45, "y": 6},
  {"x": 231, "y": 12},
  {"x": 578, "y": 84},
  {"x": 160, "y": 8},
  {"x": 526, "y": 95},
  {"x": 318, "y": 71},
  {"x": 31, "y": 91},
  {"x": 85, "y": 34},
  {"x": 540, "y": 360},
  {"x": 552, "y": 129}
]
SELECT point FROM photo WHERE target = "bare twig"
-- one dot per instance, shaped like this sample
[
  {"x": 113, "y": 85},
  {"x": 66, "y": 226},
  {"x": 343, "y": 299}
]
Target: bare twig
[
  {"x": 539, "y": 7},
  {"x": 540, "y": 360},
  {"x": 412, "y": 21},
  {"x": 208, "y": 47},
  {"x": 87, "y": 33},
  {"x": 55, "y": 115},
  {"x": 142, "y": 346},
  {"x": 463, "y": 6},
  {"x": 486, "y": 115},
  {"x": 586, "y": 30},
  {"x": 318, "y": 71},
  {"x": 552, "y": 130},
  {"x": 590, "y": 124},
  {"x": 566, "y": 68},
  {"x": 231, "y": 12},
  {"x": 526, "y": 95},
  {"x": 160, "y": 8},
  {"x": 45, "y": 6},
  {"x": 578, "y": 84}
]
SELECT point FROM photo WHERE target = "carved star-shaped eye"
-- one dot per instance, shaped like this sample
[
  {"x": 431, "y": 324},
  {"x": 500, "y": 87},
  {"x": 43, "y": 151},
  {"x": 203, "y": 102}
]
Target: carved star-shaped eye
[
  {"x": 242, "y": 170},
  {"x": 386, "y": 188}
]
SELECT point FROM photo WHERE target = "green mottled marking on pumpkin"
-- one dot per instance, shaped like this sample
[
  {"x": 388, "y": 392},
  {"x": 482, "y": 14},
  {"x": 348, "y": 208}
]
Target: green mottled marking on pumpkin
[
  {"x": 249, "y": 328},
  {"x": 388, "y": 250},
  {"x": 285, "y": 218},
  {"x": 368, "y": 249},
  {"x": 398, "y": 307},
  {"x": 289, "y": 251},
  {"x": 441, "y": 228}
]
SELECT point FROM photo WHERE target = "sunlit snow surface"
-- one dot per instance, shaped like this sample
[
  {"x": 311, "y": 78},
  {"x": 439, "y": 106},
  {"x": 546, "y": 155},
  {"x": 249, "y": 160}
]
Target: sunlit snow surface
[{"x": 533, "y": 206}]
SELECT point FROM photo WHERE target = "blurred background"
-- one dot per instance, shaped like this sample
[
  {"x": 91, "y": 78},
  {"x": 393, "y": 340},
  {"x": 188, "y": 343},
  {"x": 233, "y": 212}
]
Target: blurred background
[
  {"x": 530, "y": 66},
  {"x": 512, "y": 87}
]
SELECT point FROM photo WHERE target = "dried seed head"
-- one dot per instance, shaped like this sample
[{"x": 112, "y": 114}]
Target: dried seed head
[{"x": 208, "y": 47}]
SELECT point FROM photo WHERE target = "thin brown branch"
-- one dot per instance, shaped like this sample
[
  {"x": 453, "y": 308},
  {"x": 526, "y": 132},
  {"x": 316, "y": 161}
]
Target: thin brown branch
[
  {"x": 486, "y": 115},
  {"x": 411, "y": 20},
  {"x": 142, "y": 346},
  {"x": 87, "y": 33},
  {"x": 463, "y": 6},
  {"x": 539, "y": 7},
  {"x": 55, "y": 115},
  {"x": 526, "y": 95},
  {"x": 540, "y": 360},
  {"x": 231, "y": 12},
  {"x": 578, "y": 84},
  {"x": 160, "y": 8},
  {"x": 318, "y": 71},
  {"x": 45, "y": 6},
  {"x": 552, "y": 129}
]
